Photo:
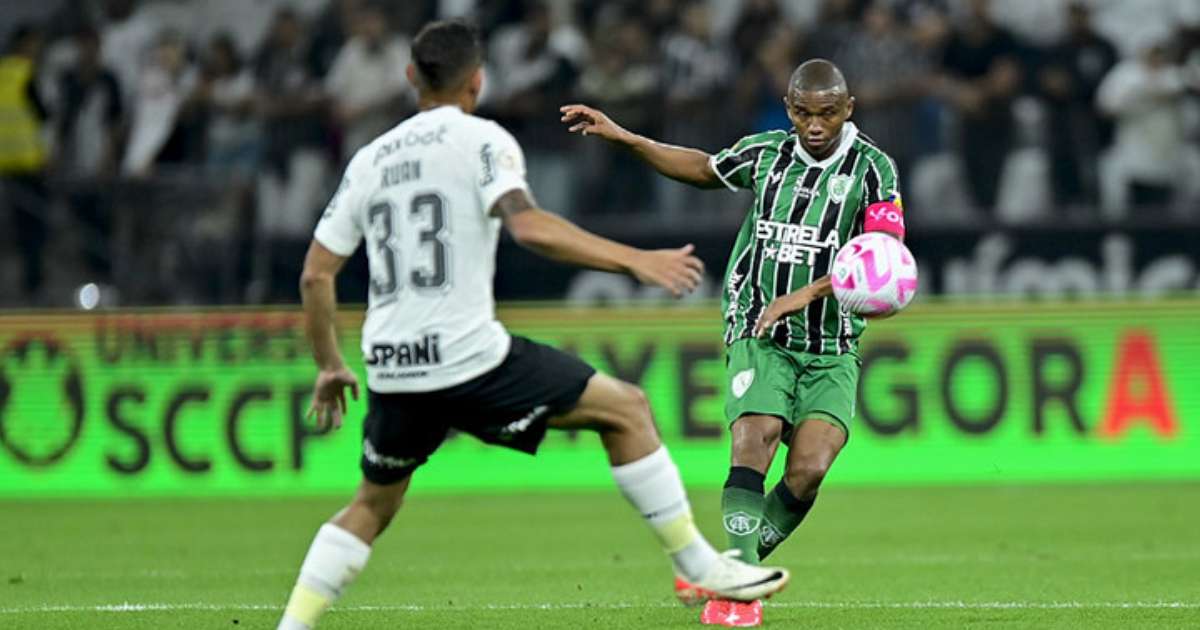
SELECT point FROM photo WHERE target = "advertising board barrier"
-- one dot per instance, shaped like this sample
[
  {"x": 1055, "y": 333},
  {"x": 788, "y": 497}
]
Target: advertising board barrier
[{"x": 137, "y": 404}]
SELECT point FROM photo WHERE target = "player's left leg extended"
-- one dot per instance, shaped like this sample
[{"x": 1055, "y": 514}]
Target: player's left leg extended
[
  {"x": 398, "y": 436},
  {"x": 825, "y": 394},
  {"x": 340, "y": 551},
  {"x": 814, "y": 446}
]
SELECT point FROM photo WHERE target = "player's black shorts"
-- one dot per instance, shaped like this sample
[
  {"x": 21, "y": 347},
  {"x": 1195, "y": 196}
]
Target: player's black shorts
[{"x": 508, "y": 406}]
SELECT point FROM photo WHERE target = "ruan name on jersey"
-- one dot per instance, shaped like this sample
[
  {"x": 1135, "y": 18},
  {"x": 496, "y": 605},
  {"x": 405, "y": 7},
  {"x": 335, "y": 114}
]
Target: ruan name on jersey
[{"x": 402, "y": 173}]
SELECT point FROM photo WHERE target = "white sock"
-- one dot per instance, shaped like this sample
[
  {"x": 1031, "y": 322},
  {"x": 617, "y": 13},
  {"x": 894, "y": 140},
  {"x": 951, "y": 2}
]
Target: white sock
[
  {"x": 334, "y": 559},
  {"x": 653, "y": 486}
]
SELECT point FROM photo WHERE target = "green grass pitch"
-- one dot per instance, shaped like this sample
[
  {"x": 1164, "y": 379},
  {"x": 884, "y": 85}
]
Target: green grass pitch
[{"x": 1088, "y": 556}]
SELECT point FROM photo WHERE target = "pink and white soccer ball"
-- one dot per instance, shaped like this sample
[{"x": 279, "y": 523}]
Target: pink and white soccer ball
[{"x": 874, "y": 275}]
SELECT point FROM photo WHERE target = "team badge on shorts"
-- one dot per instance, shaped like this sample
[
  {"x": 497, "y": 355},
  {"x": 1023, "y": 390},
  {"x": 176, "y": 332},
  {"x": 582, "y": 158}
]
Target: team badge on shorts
[
  {"x": 740, "y": 523},
  {"x": 741, "y": 382}
]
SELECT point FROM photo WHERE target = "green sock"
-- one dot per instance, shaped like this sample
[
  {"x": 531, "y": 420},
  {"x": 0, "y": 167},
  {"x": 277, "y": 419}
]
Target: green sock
[
  {"x": 742, "y": 510},
  {"x": 782, "y": 514}
]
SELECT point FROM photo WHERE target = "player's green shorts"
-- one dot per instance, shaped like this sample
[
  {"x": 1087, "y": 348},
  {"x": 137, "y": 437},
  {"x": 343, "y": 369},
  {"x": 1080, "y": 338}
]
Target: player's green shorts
[{"x": 765, "y": 378}]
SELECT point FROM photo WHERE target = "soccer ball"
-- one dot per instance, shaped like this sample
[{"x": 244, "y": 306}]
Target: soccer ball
[{"x": 874, "y": 275}]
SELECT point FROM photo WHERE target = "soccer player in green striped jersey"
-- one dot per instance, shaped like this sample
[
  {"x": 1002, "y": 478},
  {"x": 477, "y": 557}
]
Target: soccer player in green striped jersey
[{"x": 791, "y": 352}]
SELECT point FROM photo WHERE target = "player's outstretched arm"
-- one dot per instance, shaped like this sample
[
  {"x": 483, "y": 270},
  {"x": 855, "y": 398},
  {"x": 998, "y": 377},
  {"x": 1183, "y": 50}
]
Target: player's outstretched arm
[
  {"x": 786, "y": 305},
  {"x": 319, "y": 295},
  {"x": 554, "y": 237},
  {"x": 689, "y": 166}
]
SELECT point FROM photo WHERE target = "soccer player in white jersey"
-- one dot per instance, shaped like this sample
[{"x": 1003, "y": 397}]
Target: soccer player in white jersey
[{"x": 429, "y": 197}]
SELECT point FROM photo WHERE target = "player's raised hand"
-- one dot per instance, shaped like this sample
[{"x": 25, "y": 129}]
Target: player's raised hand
[
  {"x": 675, "y": 270},
  {"x": 780, "y": 308},
  {"x": 589, "y": 121},
  {"x": 329, "y": 397}
]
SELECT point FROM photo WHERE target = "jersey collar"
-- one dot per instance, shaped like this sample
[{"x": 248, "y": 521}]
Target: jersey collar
[{"x": 849, "y": 133}]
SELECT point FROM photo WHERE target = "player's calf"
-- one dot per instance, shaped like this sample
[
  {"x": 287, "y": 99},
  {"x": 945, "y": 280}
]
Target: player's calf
[
  {"x": 814, "y": 446},
  {"x": 372, "y": 509},
  {"x": 340, "y": 551},
  {"x": 804, "y": 478},
  {"x": 755, "y": 439}
]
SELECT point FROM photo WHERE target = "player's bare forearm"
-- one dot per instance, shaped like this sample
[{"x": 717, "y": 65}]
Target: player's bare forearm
[
  {"x": 556, "y": 238},
  {"x": 788, "y": 304},
  {"x": 820, "y": 288},
  {"x": 689, "y": 166},
  {"x": 319, "y": 295}
]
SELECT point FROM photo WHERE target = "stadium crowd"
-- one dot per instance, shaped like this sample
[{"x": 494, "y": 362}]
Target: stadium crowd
[{"x": 191, "y": 144}]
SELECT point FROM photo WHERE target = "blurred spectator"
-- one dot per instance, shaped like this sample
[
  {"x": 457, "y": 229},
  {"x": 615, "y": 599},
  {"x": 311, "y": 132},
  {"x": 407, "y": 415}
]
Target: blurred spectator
[
  {"x": 125, "y": 39},
  {"x": 330, "y": 32},
  {"x": 887, "y": 75},
  {"x": 156, "y": 135},
  {"x": 1145, "y": 95},
  {"x": 1068, "y": 80},
  {"x": 23, "y": 154},
  {"x": 1126, "y": 22},
  {"x": 89, "y": 142},
  {"x": 367, "y": 83},
  {"x": 837, "y": 20},
  {"x": 757, "y": 20},
  {"x": 763, "y": 80},
  {"x": 623, "y": 80},
  {"x": 233, "y": 150},
  {"x": 533, "y": 73},
  {"x": 984, "y": 76},
  {"x": 698, "y": 72},
  {"x": 292, "y": 180},
  {"x": 244, "y": 22},
  {"x": 227, "y": 93},
  {"x": 89, "y": 123},
  {"x": 660, "y": 16}
]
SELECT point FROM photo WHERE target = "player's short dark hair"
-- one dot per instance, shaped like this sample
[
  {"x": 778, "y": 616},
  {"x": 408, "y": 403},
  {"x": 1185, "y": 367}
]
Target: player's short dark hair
[
  {"x": 817, "y": 75},
  {"x": 445, "y": 52}
]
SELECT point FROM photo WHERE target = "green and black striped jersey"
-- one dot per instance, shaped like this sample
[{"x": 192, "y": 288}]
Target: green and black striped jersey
[{"x": 804, "y": 210}]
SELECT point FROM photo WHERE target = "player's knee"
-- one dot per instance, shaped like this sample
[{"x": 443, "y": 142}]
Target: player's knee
[
  {"x": 752, "y": 436},
  {"x": 635, "y": 412},
  {"x": 805, "y": 477},
  {"x": 639, "y": 406}
]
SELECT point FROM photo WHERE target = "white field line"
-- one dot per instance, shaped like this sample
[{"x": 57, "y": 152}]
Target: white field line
[
  {"x": 1015, "y": 557},
  {"x": 130, "y": 607}
]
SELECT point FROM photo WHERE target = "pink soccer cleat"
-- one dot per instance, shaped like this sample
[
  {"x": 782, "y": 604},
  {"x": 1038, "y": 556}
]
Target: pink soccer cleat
[
  {"x": 729, "y": 578},
  {"x": 744, "y": 615},
  {"x": 715, "y": 611}
]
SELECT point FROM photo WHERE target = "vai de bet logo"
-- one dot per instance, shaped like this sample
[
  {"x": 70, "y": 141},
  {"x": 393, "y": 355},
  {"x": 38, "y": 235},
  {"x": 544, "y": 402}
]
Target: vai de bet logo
[{"x": 41, "y": 400}]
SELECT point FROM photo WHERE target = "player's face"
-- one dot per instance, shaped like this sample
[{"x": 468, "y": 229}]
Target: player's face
[{"x": 818, "y": 118}]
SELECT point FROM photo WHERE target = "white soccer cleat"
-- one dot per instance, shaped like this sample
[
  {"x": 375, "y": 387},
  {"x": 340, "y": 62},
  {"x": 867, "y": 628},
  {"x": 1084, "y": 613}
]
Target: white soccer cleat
[{"x": 730, "y": 578}]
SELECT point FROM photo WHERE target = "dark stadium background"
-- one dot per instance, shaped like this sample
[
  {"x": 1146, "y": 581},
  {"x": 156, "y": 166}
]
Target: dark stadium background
[{"x": 1027, "y": 450}]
